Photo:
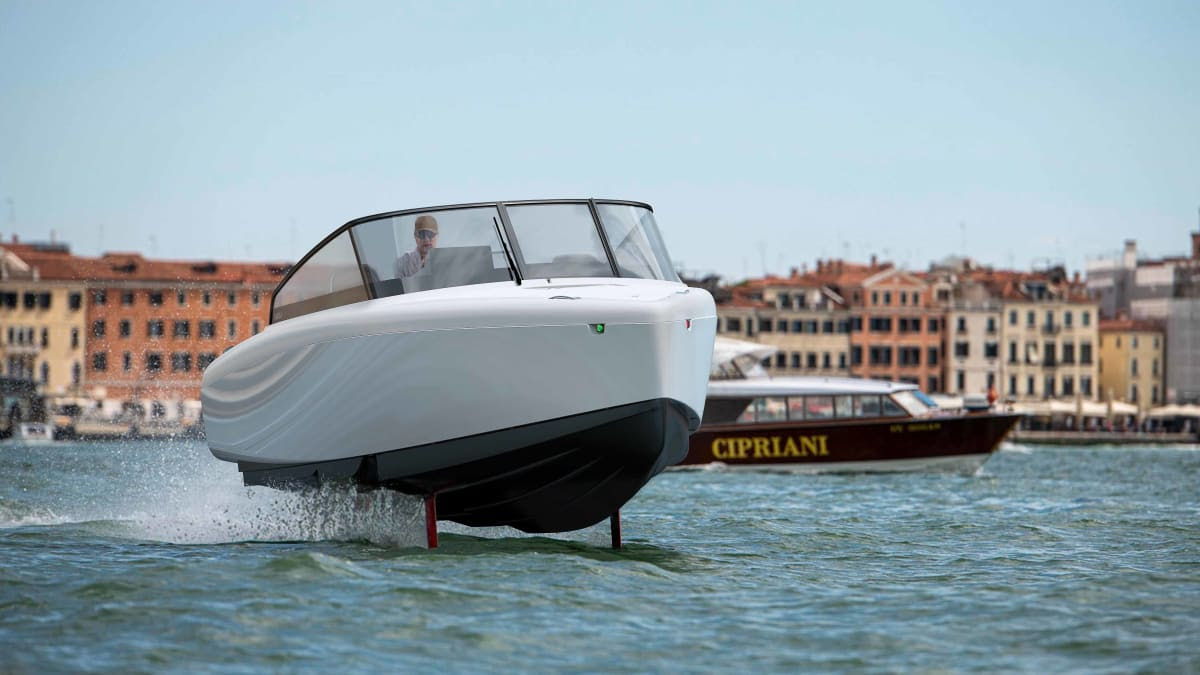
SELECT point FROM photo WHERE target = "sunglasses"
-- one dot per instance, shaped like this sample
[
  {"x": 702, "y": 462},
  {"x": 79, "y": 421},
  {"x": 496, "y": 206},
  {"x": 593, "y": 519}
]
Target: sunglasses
[{"x": 427, "y": 235}]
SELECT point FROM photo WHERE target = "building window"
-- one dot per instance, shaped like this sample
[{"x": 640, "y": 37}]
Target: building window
[
  {"x": 98, "y": 328},
  {"x": 254, "y": 327},
  {"x": 783, "y": 325},
  {"x": 232, "y": 298},
  {"x": 887, "y": 298},
  {"x": 127, "y": 298},
  {"x": 1029, "y": 386},
  {"x": 933, "y": 325},
  {"x": 962, "y": 324},
  {"x": 75, "y": 301},
  {"x": 1133, "y": 393},
  {"x": 903, "y": 298},
  {"x": 991, "y": 350},
  {"x": 30, "y": 300},
  {"x": 1067, "y": 319},
  {"x": 962, "y": 349},
  {"x": 910, "y": 356},
  {"x": 811, "y": 360},
  {"x": 1068, "y": 384},
  {"x": 855, "y": 355},
  {"x": 795, "y": 359},
  {"x": 125, "y": 328},
  {"x": 991, "y": 324},
  {"x": 764, "y": 325},
  {"x": 1030, "y": 320},
  {"x": 1048, "y": 391},
  {"x": 1154, "y": 367},
  {"x": 76, "y": 374},
  {"x": 880, "y": 356},
  {"x": 1012, "y": 385},
  {"x": 1012, "y": 317},
  {"x": 207, "y": 328},
  {"x": 99, "y": 296},
  {"x": 206, "y": 298},
  {"x": 881, "y": 325},
  {"x": 100, "y": 361},
  {"x": 182, "y": 329},
  {"x": 1085, "y": 385},
  {"x": 874, "y": 297},
  {"x": 932, "y": 356},
  {"x": 181, "y": 362},
  {"x": 1012, "y": 352},
  {"x": 1085, "y": 353},
  {"x": 45, "y": 337},
  {"x": 153, "y": 362},
  {"x": 181, "y": 298},
  {"x": 255, "y": 298},
  {"x": 127, "y": 362},
  {"x": 1133, "y": 370},
  {"x": 933, "y": 384},
  {"x": 156, "y": 298},
  {"x": 154, "y": 329},
  {"x": 1086, "y": 318},
  {"x": 826, "y": 360},
  {"x": 203, "y": 359},
  {"x": 1154, "y": 394},
  {"x": 960, "y": 379},
  {"x": 1133, "y": 342},
  {"x": 74, "y": 338}
]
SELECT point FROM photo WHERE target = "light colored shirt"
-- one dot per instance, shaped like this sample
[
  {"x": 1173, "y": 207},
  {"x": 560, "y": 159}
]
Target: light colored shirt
[{"x": 408, "y": 264}]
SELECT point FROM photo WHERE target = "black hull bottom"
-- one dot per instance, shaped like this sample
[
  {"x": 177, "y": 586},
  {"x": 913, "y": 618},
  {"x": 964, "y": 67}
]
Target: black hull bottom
[{"x": 553, "y": 476}]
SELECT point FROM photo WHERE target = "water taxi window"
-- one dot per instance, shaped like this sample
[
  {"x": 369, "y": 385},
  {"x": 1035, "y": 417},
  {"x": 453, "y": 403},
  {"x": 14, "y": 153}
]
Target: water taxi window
[
  {"x": 635, "y": 241},
  {"x": 847, "y": 406},
  {"x": 870, "y": 406},
  {"x": 558, "y": 240},
  {"x": 747, "y": 415},
  {"x": 435, "y": 249},
  {"x": 329, "y": 278},
  {"x": 818, "y": 407},
  {"x": 795, "y": 407},
  {"x": 773, "y": 409},
  {"x": 892, "y": 409}
]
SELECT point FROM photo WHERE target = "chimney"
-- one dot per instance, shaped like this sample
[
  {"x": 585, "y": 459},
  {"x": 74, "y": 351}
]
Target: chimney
[
  {"x": 820, "y": 266},
  {"x": 795, "y": 272},
  {"x": 1196, "y": 246},
  {"x": 1129, "y": 260},
  {"x": 873, "y": 260}
]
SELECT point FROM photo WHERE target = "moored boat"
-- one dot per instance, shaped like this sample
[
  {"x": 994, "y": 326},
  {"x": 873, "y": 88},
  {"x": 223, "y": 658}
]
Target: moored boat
[
  {"x": 529, "y": 364},
  {"x": 819, "y": 424}
]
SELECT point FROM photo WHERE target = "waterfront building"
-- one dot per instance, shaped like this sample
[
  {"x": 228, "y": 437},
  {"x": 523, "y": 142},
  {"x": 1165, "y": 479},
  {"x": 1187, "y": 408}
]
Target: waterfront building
[
  {"x": 1167, "y": 291},
  {"x": 973, "y": 363},
  {"x": 1132, "y": 362},
  {"x": 801, "y": 315},
  {"x": 1049, "y": 335},
  {"x": 41, "y": 321},
  {"x": 132, "y": 328},
  {"x": 897, "y": 331}
]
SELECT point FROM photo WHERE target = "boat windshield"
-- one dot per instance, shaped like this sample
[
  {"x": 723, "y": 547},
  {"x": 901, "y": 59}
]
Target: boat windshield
[
  {"x": 914, "y": 401},
  {"x": 412, "y": 251}
]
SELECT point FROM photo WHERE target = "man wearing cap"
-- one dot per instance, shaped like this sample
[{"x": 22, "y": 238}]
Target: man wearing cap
[{"x": 425, "y": 233}]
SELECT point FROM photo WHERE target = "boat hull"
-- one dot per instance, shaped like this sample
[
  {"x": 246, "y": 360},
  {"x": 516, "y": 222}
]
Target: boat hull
[
  {"x": 551, "y": 476},
  {"x": 960, "y": 443}
]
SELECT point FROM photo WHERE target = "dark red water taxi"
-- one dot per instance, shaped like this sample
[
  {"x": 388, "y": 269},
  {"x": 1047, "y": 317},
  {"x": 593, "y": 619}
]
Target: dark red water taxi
[{"x": 819, "y": 424}]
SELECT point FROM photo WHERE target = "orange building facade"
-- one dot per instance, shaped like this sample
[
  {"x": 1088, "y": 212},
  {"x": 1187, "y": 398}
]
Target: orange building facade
[{"x": 140, "y": 329}]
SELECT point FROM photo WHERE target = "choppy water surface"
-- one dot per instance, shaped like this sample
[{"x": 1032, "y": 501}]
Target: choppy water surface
[{"x": 153, "y": 556}]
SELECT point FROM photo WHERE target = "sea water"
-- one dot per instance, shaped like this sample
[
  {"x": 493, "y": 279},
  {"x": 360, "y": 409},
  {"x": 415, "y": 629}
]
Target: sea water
[{"x": 152, "y": 556}]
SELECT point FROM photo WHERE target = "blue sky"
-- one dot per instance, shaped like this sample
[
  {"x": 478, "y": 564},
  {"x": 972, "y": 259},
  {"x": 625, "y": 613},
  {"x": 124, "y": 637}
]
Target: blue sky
[{"x": 765, "y": 134}]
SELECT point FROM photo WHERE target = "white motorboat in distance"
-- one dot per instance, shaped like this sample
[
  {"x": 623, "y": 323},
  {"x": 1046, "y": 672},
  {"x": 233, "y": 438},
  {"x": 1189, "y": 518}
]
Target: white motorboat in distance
[{"x": 534, "y": 369}]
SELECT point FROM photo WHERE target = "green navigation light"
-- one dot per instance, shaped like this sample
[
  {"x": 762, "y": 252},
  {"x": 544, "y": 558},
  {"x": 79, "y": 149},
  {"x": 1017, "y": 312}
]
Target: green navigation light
[{"x": 599, "y": 328}]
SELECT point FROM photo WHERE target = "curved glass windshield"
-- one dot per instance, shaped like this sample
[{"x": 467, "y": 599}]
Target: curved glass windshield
[
  {"x": 558, "y": 240},
  {"x": 329, "y": 278},
  {"x": 416, "y": 251},
  {"x": 436, "y": 249},
  {"x": 636, "y": 244}
]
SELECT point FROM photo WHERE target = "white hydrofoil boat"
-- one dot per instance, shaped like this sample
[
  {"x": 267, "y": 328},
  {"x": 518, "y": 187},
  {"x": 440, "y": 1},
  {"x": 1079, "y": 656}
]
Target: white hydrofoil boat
[{"x": 529, "y": 364}]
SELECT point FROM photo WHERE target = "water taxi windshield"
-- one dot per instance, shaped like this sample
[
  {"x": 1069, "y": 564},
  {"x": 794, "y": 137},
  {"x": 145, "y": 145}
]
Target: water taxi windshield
[{"x": 422, "y": 250}]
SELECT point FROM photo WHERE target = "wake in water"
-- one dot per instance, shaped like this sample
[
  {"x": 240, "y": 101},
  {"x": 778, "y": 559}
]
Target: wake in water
[{"x": 177, "y": 492}]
